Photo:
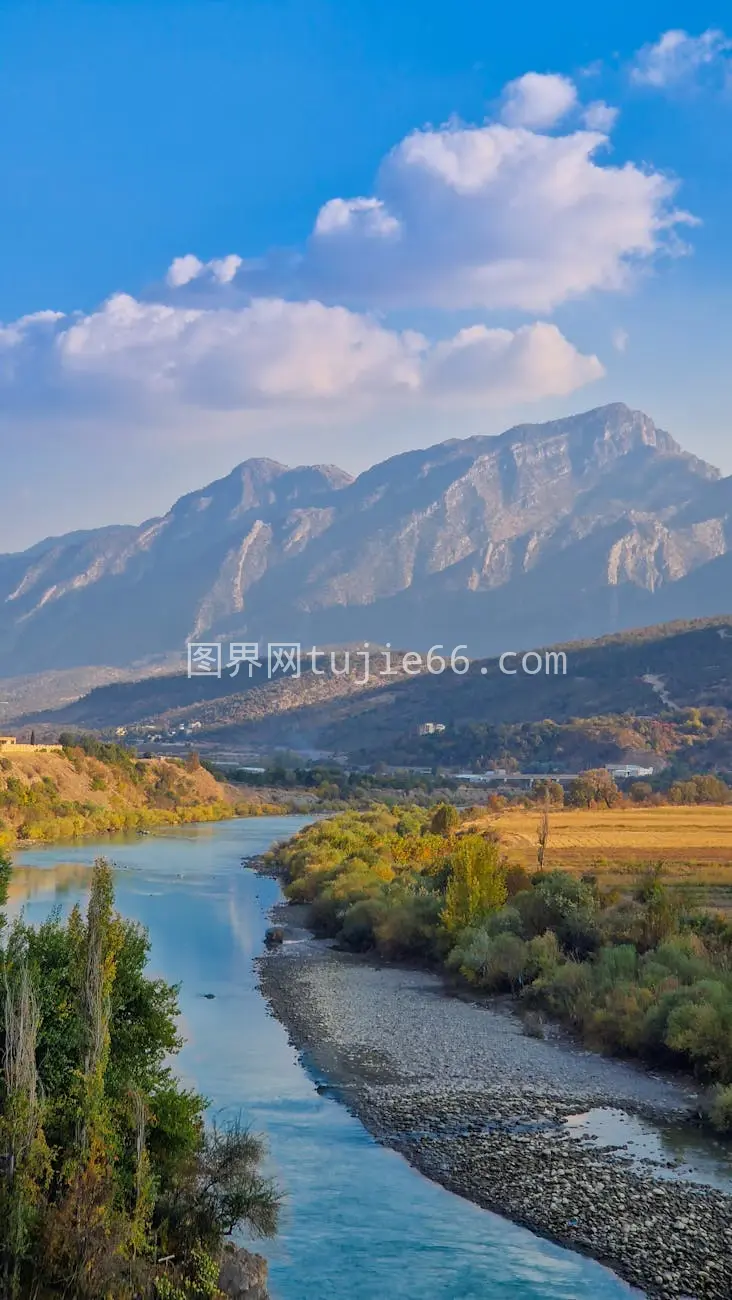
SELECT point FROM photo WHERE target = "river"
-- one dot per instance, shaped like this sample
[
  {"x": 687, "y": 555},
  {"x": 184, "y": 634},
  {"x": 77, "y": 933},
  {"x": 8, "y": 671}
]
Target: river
[{"x": 358, "y": 1221}]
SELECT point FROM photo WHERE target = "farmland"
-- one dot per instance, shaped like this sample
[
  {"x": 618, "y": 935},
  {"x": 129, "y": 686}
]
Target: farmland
[
  {"x": 697, "y": 835},
  {"x": 693, "y": 844}
]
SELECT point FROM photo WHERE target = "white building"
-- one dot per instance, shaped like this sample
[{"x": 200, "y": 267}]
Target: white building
[
  {"x": 431, "y": 728},
  {"x": 626, "y": 770},
  {"x": 481, "y": 778}
]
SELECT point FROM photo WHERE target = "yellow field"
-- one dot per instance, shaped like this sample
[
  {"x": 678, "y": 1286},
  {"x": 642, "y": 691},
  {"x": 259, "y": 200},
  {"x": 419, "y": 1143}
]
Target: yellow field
[{"x": 694, "y": 843}]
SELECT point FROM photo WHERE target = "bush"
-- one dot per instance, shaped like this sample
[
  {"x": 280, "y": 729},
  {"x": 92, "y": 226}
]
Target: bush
[
  {"x": 445, "y": 819},
  {"x": 358, "y": 928},
  {"x": 700, "y": 1028},
  {"x": 495, "y": 962},
  {"x": 639, "y": 975},
  {"x": 324, "y": 917},
  {"x": 720, "y": 1112},
  {"x": 561, "y": 903},
  {"x": 407, "y": 929}
]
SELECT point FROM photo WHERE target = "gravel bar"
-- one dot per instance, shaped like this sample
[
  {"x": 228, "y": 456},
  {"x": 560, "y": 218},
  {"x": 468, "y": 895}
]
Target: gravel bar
[{"x": 475, "y": 1103}]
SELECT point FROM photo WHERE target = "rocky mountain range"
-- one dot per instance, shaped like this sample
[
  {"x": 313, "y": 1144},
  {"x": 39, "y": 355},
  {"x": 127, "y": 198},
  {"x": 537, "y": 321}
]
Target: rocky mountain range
[{"x": 546, "y": 533}]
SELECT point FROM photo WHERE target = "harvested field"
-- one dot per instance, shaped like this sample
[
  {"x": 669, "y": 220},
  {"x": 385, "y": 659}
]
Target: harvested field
[{"x": 694, "y": 844}]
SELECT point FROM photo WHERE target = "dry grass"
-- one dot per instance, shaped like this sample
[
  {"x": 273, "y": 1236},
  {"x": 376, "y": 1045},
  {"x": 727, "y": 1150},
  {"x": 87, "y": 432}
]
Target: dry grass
[{"x": 694, "y": 844}]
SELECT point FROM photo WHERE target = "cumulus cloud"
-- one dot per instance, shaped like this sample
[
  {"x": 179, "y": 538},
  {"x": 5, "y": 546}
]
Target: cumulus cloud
[
  {"x": 512, "y": 214},
  {"x": 678, "y": 57},
  {"x": 504, "y": 364},
  {"x": 368, "y": 215},
  {"x": 488, "y": 217},
  {"x": 538, "y": 100},
  {"x": 183, "y": 270},
  {"x": 269, "y": 351},
  {"x": 275, "y": 354},
  {"x": 600, "y": 116}
]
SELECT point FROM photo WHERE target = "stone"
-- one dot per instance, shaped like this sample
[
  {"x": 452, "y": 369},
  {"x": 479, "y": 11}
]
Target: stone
[{"x": 243, "y": 1275}]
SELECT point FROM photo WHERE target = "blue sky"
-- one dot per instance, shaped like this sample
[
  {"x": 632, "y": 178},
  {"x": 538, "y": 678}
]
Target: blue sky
[{"x": 138, "y": 133}]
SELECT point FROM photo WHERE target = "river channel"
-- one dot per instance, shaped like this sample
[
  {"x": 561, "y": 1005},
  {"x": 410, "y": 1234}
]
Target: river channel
[{"x": 358, "y": 1222}]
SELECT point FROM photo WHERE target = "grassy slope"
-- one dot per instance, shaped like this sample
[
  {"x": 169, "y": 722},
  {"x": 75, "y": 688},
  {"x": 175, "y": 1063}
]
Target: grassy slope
[{"x": 52, "y": 795}]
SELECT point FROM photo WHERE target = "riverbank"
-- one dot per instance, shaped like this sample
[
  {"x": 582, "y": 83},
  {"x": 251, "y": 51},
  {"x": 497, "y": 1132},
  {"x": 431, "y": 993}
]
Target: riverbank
[
  {"x": 479, "y": 1105},
  {"x": 91, "y": 789}
]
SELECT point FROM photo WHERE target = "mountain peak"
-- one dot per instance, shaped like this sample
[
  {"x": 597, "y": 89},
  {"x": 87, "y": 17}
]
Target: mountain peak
[{"x": 542, "y": 533}]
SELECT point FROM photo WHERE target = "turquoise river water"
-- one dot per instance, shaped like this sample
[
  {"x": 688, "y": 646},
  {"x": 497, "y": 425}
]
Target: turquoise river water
[{"x": 358, "y": 1222}]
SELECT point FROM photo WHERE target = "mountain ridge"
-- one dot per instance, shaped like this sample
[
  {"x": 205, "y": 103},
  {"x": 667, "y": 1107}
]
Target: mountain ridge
[
  {"x": 658, "y": 691},
  {"x": 459, "y": 539}
]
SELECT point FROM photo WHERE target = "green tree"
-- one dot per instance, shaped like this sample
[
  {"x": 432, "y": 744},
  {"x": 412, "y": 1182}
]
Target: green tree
[
  {"x": 445, "y": 820},
  {"x": 476, "y": 883},
  {"x": 594, "y": 788},
  {"x": 111, "y": 1164},
  {"x": 548, "y": 791},
  {"x": 641, "y": 791},
  {"x": 6, "y": 871}
]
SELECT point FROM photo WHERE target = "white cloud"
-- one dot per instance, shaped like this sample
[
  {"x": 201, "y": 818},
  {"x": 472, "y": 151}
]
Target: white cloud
[
  {"x": 487, "y": 217},
  {"x": 600, "y": 116},
  {"x": 490, "y": 217},
  {"x": 538, "y": 100},
  {"x": 367, "y": 215},
  {"x": 620, "y": 339},
  {"x": 274, "y": 354},
  {"x": 506, "y": 215},
  {"x": 678, "y": 57},
  {"x": 502, "y": 366},
  {"x": 183, "y": 270}
]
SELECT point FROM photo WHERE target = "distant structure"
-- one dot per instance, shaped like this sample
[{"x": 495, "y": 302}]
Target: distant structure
[
  {"x": 481, "y": 778},
  {"x": 626, "y": 770},
  {"x": 9, "y": 744},
  {"x": 431, "y": 728}
]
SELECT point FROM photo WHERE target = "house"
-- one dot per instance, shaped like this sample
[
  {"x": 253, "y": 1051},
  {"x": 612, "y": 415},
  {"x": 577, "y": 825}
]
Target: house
[{"x": 431, "y": 728}]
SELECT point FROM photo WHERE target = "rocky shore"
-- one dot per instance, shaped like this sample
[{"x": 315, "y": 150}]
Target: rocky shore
[
  {"x": 479, "y": 1105},
  {"x": 243, "y": 1275}
]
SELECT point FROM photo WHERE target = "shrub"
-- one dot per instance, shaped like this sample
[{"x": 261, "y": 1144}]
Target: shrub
[
  {"x": 561, "y": 903},
  {"x": 495, "y": 962},
  {"x": 544, "y": 955},
  {"x": 445, "y": 819},
  {"x": 324, "y": 917},
  {"x": 357, "y": 930},
  {"x": 721, "y": 1109},
  {"x": 406, "y": 929},
  {"x": 700, "y": 1027}
]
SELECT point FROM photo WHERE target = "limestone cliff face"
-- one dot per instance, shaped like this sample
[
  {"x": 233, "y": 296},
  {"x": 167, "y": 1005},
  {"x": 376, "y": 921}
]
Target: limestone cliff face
[{"x": 598, "y": 518}]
